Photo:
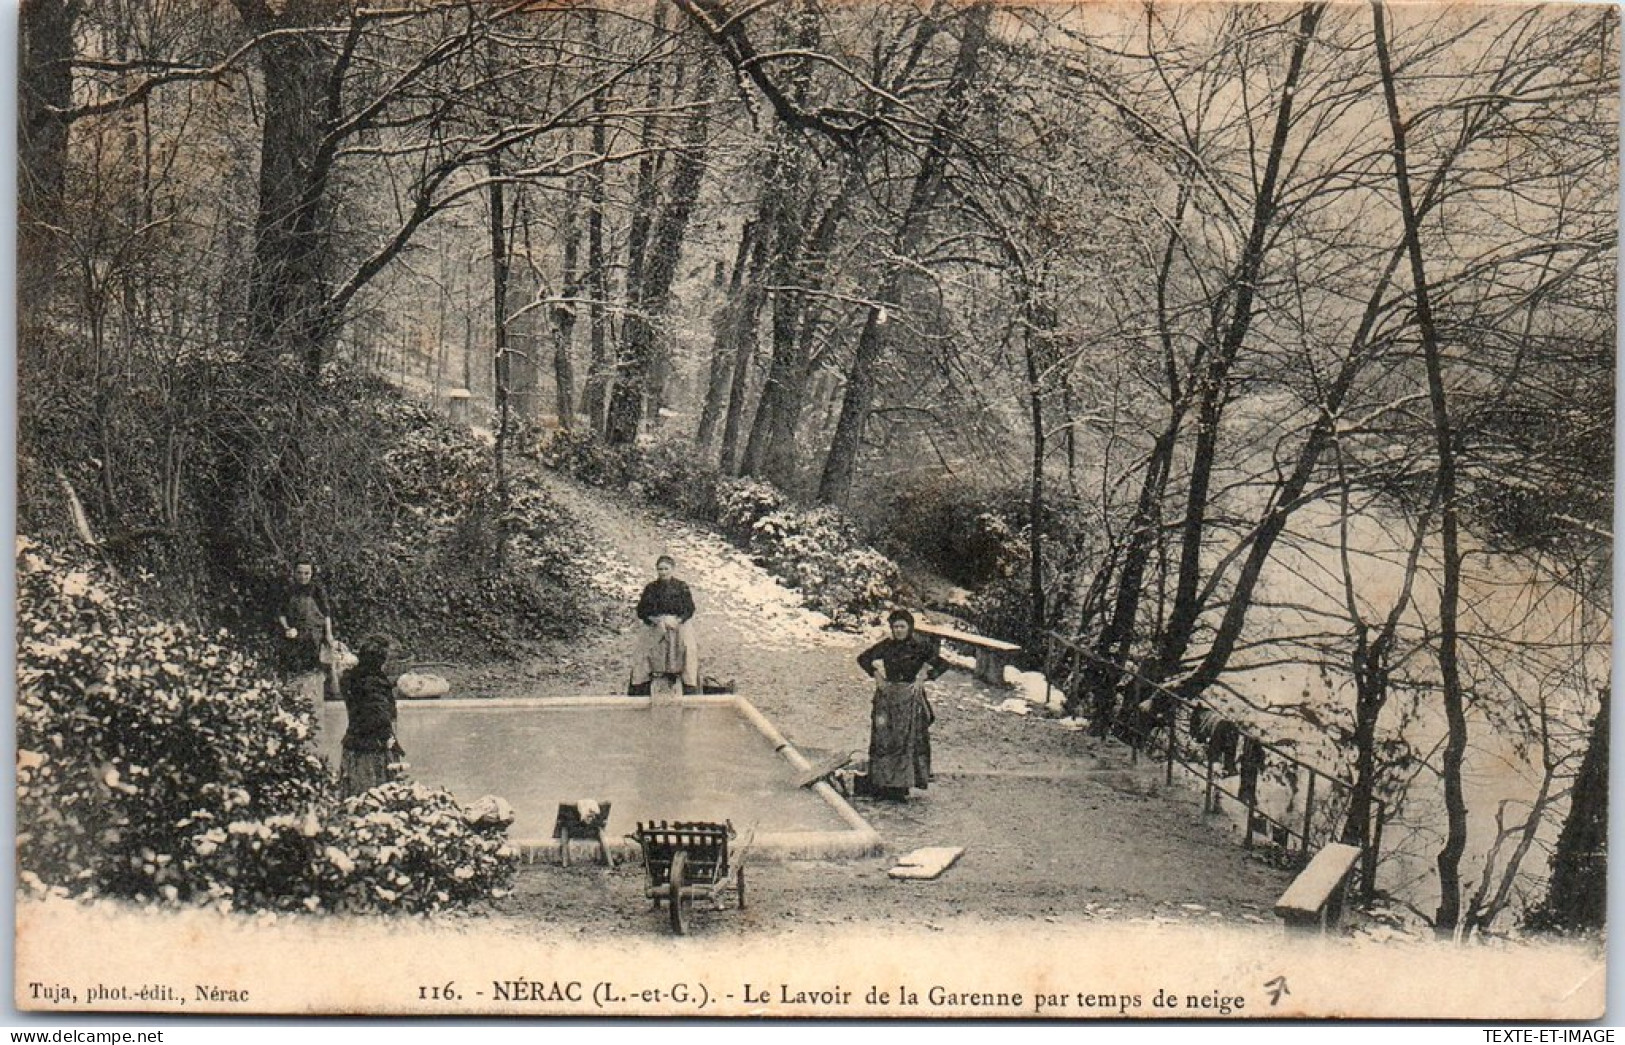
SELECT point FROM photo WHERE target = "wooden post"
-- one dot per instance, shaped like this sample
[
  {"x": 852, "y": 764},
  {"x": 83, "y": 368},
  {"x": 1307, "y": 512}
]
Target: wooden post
[
  {"x": 1368, "y": 872},
  {"x": 1074, "y": 694},
  {"x": 1308, "y": 812},
  {"x": 1173, "y": 734},
  {"x": 1049, "y": 663}
]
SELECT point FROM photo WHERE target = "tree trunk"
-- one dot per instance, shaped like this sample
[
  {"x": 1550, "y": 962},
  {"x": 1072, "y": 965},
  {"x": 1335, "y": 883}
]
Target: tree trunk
[
  {"x": 1107, "y": 669},
  {"x": 797, "y": 263},
  {"x": 501, "y": 358},
  {"x": 657, "y": 272},
  {"x": 1038, "y": 355},
  {"x": 1453, "y": 757},
  {"x": 288, "y": 278},
  {"x": 524, "y": 338},
  {"x": 803, "y": 265},
  {"x": 746, "y": 319},
  {"x": 44, "y": 84},
  {"x": 623, "y": 412},
  {"x": 563, "y": 315},
  {"x": 1370, "y": 663},
  {"x": 1577, "y": 895},
  {"x": 1213, "y": 384},
  {"x": 601, "y": 365},
  {"x": 1104, "y": 674},
  {"x": 722, "y": 346},
  {"x": 775, "y": 420},
  {"x": 1370, "y": 696},
  {"x": 840, "y": 465},
  {"x": 779, "y": 219},
  {"x": 561, "y": 312}
]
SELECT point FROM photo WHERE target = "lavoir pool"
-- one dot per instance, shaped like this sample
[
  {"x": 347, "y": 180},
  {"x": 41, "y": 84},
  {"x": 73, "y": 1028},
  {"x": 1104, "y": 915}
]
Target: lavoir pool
[{"x": 711, "y": 758}]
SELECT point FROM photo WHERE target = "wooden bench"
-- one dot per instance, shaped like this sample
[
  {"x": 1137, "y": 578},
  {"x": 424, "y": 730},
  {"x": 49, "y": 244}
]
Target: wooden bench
[
  {"x": 1314, "y": 900},
  {"x": 991, "y": 654}
]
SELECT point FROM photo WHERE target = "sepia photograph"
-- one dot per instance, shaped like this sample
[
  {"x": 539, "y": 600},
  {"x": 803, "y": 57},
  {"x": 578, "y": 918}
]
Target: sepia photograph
[{"x": 946, "y": 510}]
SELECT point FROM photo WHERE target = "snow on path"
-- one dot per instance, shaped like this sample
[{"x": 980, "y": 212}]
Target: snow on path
[{"x": 732, "y": 593}]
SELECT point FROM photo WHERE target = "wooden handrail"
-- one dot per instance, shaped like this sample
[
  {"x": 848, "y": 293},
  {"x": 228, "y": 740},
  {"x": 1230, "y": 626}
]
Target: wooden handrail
[
  {"x": 1172, "y": 694},
  {"x": 1275, "y": 752}
]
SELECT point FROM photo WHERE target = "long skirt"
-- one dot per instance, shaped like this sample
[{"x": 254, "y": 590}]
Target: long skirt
[
  {"x": 302, "y": 654},
  {"x": 666, "y": 650},
  {"x": 900, "y": 736},
  {"x": 363, "y": 770}
]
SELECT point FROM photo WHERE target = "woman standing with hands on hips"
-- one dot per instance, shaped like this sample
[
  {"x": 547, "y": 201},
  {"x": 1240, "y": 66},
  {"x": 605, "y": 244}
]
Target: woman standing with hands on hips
[{"x": 901, "y": 716}]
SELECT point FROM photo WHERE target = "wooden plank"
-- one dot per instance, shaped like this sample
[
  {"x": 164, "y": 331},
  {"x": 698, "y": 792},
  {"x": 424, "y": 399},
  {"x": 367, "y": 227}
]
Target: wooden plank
[
  {"x": 968, "y": 638},
  {"x": 926, "y": 864},
  {"x": 1316, "y": 883},
  {"x": 824, "y": 769}
]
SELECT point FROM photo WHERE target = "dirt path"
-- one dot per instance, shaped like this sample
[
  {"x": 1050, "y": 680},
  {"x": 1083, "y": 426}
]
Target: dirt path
[{"x": 1056, "y": 826}]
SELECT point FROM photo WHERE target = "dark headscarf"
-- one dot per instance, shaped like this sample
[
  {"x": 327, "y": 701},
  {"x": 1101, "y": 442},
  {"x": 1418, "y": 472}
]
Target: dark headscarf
[{"x": 372, "y": 652}]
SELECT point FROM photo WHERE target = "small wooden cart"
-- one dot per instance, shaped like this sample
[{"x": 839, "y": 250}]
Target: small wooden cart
[{"x": 687, "y": 860}]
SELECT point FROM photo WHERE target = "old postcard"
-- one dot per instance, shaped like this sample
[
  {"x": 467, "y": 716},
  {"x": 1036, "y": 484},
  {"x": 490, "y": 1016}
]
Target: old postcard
[{"x": 815, "y": 508}]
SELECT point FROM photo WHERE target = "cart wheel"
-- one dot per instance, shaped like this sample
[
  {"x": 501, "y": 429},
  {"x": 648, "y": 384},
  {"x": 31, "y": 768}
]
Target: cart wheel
[
  {"x": 679, "y": 865},
  {"x": 741, "y": 887}
]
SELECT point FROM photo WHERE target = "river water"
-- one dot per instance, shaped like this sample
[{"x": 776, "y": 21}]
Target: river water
[{"x": 1534, "y": 657}]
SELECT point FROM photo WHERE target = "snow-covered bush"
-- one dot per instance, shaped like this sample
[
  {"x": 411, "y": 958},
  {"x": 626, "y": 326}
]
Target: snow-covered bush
[
  {"x": 407, "y": 847},
  {"x": 434, "y": 570},
  {"x": 819, "y": 553},
  {"x": 161, "y": 765},
  {"x": 129, "y": 727},
  {"x": 743, "y": 503},
  {"x": 971, "y": 533},
  {"x": 670, "y": 475},
  {"x": 398, "y": 848},
  {"x": 587, "y": 459}
]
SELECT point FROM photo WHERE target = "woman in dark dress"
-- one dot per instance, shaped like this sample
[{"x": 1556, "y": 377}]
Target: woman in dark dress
[
  {"x": 306, "y": 619},
  {"x": 666, "y": 644},
  {"x": 901, "y": 716},
  {"x": 370, "y": 746}
]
